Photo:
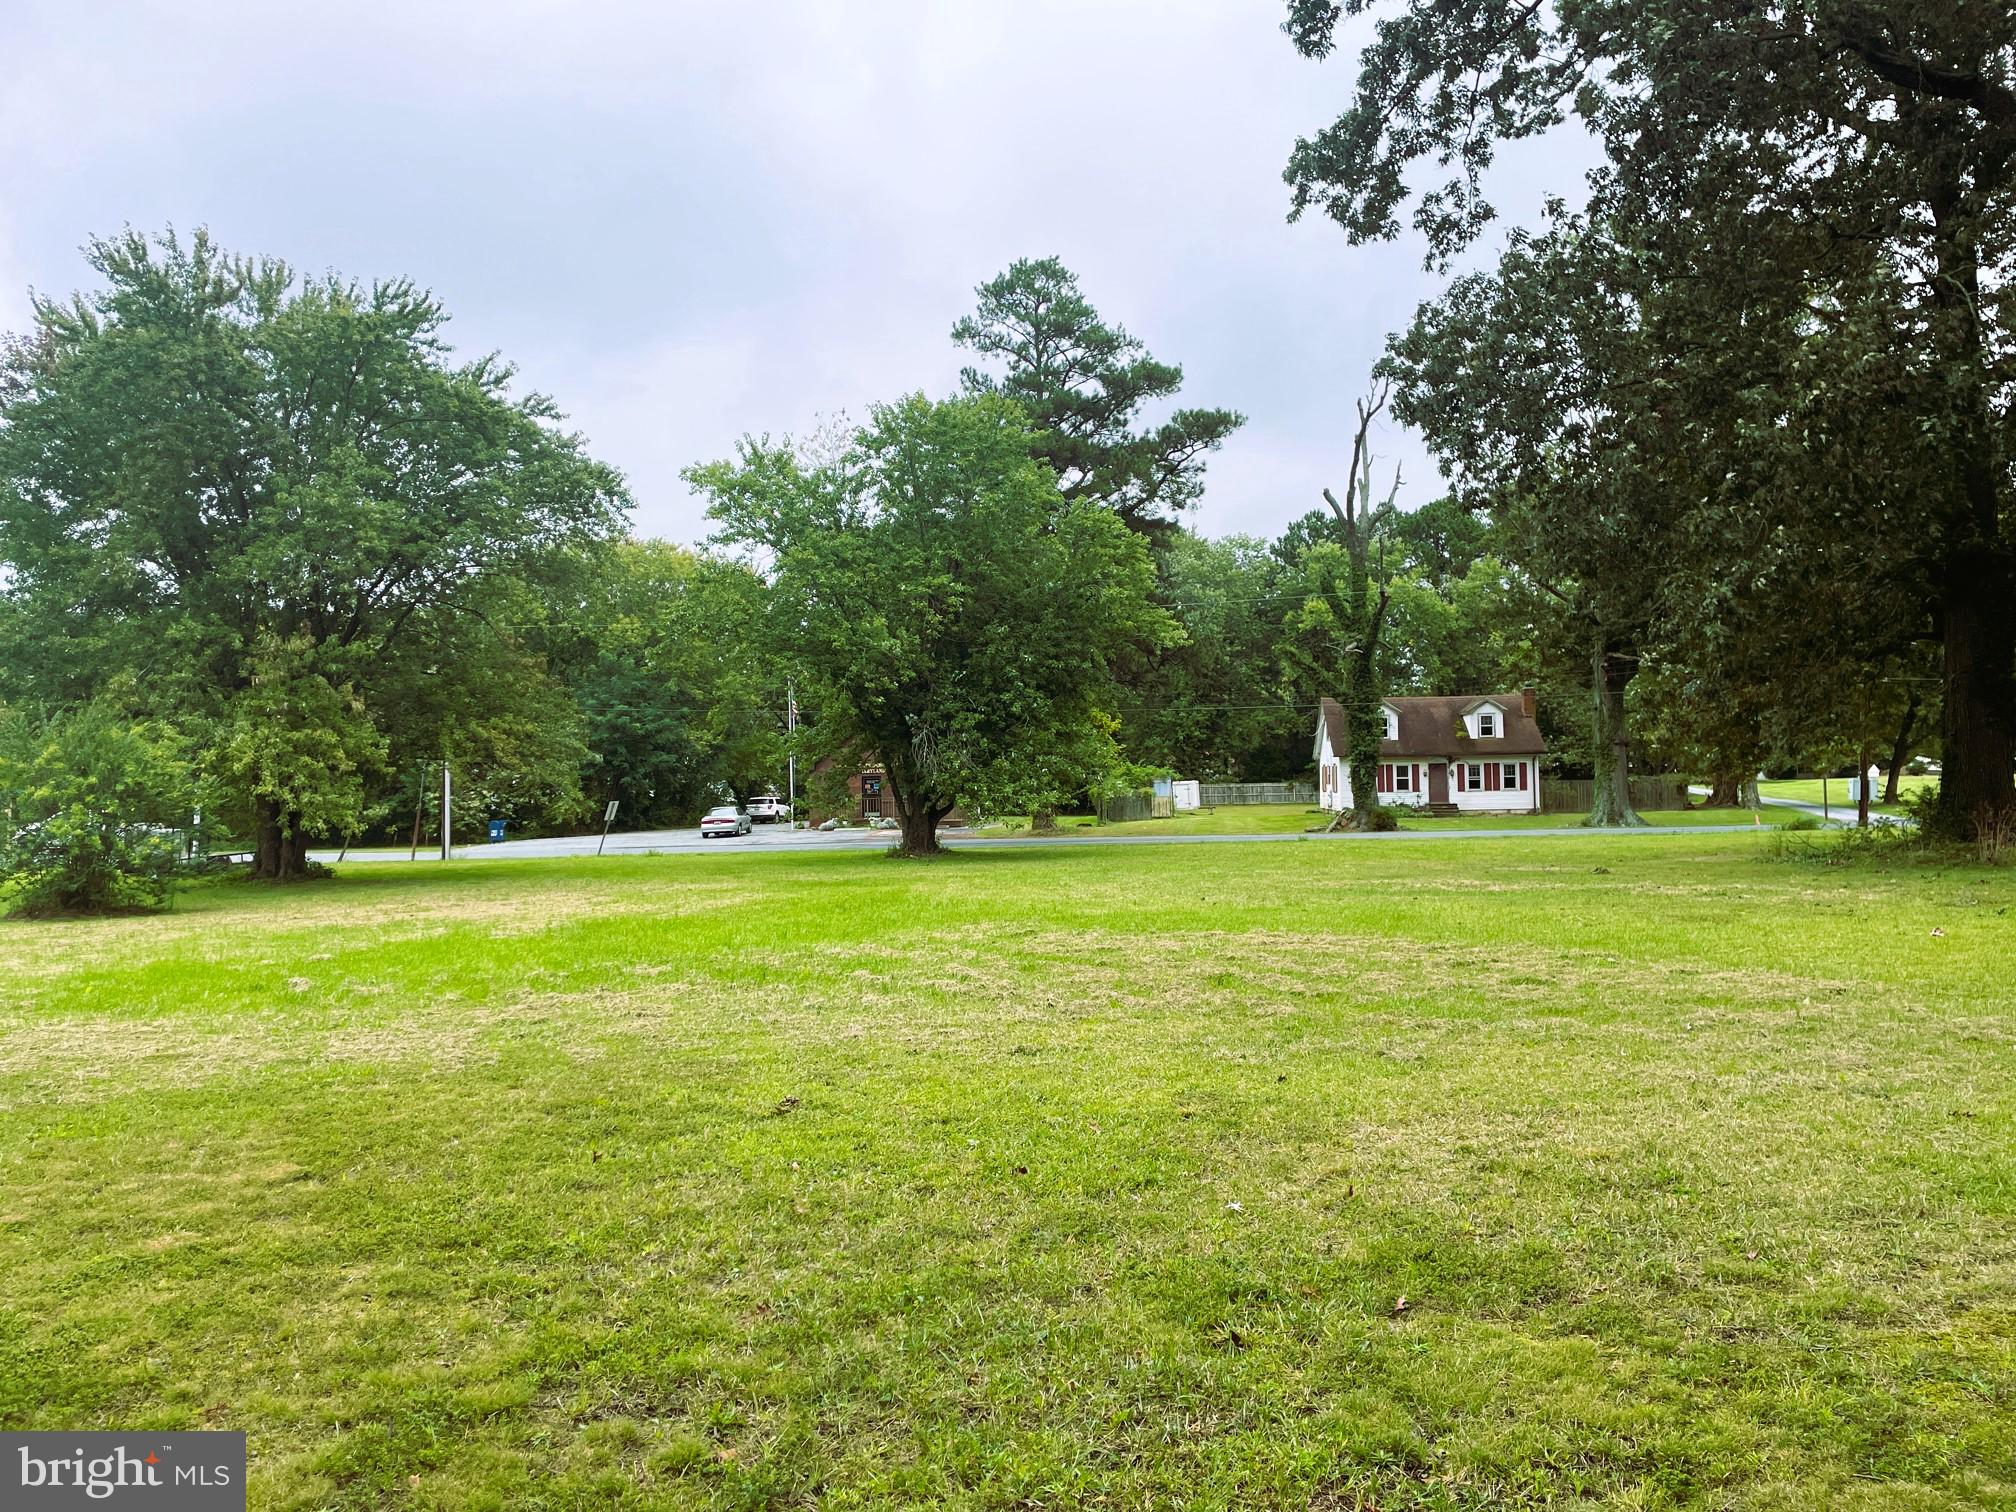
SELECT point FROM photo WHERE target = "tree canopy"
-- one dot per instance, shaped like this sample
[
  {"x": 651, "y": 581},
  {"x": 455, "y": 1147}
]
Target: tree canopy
[
  {"x": 951, "y": 611},
  {"x": 1084, "y": 385},
  {"x": 252, "y": 491}
]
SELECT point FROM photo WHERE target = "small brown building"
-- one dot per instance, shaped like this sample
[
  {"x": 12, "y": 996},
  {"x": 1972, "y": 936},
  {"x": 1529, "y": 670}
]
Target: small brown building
[{"x": 869, "y": 795}]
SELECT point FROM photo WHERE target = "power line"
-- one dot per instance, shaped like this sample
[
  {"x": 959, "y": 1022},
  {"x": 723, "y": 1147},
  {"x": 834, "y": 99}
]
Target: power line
[{"x": 1222, "y": 708}]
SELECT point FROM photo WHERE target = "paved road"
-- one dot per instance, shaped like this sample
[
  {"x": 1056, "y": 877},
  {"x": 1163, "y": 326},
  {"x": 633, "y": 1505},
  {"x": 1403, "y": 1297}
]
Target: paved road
[
  {"x": 772, "y": 839},
  {"x": 1835, "y": 814},
  {"x": 640, "y": 842}
]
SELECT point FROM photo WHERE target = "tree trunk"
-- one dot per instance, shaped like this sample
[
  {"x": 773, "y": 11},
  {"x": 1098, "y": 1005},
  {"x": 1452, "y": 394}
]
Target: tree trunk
[
  {"x": 1365, "y": 727},
  {"x": 1725, "y": 790},
  {"x": 281, "y": 848},
  {"x": 1975, "y": 589},
  {"x": 1900, "y": 748},
  {"x": 1610, "y": 750},
  {"x": 1862, "y": 786},
  {"x": 919, "y": 818},
  {"x": 1364, "y": 720},
  {"x": 1978, "y": 727},
  {"x": 1043, "y": 822},
  {"x": 1361, "y": 617},
  {"x": 917, "y": 813}
]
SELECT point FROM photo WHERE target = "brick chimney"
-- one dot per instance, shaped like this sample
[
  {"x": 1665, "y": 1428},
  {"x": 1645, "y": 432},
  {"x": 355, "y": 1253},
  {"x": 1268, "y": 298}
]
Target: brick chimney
[{"x": 1526, "y": 701}]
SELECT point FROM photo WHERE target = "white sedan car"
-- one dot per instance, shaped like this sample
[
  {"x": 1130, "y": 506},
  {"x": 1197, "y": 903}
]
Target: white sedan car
[{"x": 725, "y": 820}]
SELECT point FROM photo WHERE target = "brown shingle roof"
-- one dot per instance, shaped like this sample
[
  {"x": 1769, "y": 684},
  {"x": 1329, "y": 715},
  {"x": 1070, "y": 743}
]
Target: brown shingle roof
[{"x": 1434, "y": 727}]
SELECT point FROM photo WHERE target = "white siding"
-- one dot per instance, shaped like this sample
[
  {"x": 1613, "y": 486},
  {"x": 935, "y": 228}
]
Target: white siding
[
  {"x": 1504, "y": 800},
  {"x": 1393, "y": 797},
  {"x": 1332, "y": 782},
  {"x": 1474, "y": 722}
]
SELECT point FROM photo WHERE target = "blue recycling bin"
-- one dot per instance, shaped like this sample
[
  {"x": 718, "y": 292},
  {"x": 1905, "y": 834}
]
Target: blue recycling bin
[{"x": 496, "y": 829}]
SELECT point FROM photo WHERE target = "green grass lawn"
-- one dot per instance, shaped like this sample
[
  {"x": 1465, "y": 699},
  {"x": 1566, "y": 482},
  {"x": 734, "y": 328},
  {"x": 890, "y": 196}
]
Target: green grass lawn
[
  {"x": 1294, "y": 818},
  {"x": 1690, "y": 818},
  {"x": 1232, "y": 819},
  {"x": 1642, "y": 1171},
  {"x": 1808, "y": 790}
]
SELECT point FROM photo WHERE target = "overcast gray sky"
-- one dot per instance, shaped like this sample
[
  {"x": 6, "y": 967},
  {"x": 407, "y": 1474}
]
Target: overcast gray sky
[{"x": 691, "y": 221}]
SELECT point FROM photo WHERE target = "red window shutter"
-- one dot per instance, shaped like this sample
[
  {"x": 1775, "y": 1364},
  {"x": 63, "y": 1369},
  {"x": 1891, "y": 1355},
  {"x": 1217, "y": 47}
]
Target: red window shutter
[
  {"x": 1416, "y": 784},
  {"x": 1382, "y": 777},
  {"x": 1458, "y": 767},
  {"x": 1522, "y": 776},
  {"x": 1491, "y": 776}
]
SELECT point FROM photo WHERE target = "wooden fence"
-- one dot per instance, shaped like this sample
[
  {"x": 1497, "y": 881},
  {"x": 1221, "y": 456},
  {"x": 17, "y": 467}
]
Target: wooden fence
[
  {"x": 1573, "y": 795},
  {"x": 1130, "y": 806},
  {"x": 1226, "y": 794}
]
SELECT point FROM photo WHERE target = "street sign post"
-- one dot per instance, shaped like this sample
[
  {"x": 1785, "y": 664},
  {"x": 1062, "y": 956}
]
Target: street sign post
[{"x": 608, "y": 818}]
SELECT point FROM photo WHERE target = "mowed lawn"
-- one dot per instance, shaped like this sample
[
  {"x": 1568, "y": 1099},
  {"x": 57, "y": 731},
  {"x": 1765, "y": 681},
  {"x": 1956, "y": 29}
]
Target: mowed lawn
[
  {"x": 1648, "y": 1171},
  {"x": 1835, "y": 792},
  {"x": 1296, "y": 818}
]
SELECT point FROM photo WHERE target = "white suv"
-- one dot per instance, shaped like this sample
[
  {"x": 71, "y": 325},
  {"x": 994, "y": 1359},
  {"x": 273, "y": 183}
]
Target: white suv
[{"x": 768, "y": 808}]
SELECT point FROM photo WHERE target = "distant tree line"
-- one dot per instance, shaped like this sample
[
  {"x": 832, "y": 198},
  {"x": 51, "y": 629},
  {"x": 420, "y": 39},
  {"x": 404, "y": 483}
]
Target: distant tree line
[{"x": 271, "y": 557}]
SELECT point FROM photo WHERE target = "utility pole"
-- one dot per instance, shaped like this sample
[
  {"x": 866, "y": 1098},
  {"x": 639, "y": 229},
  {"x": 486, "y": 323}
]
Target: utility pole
[
  {"x": 791, "y": 754},
  {"x": 447, "y": 813}
]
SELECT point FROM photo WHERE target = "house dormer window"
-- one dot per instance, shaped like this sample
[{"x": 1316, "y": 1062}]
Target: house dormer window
[
  {"x": 1392, "y": 725},
  {"x": 1487, "y": 725}
]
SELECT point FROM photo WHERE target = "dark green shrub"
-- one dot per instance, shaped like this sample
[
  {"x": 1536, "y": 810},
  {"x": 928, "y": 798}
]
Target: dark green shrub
[
  {"x": 91, "y": 800},
  {"x": 1921, "y": 807}
]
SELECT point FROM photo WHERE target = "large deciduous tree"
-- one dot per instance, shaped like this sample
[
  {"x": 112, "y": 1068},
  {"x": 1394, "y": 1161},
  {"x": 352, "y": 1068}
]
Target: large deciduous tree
[
  {"x": 949, "y": 609},
  {"x": 1544, "y": 396},
  {"x": 1823, "y": 197},
  {"x": 1084, "y": 385},
  {"x": 247, "y": 489}
]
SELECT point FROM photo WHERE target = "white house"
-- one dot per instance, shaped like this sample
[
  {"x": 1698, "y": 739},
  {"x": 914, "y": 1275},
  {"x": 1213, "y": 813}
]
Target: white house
[{"x": 1462, "y": 755}]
